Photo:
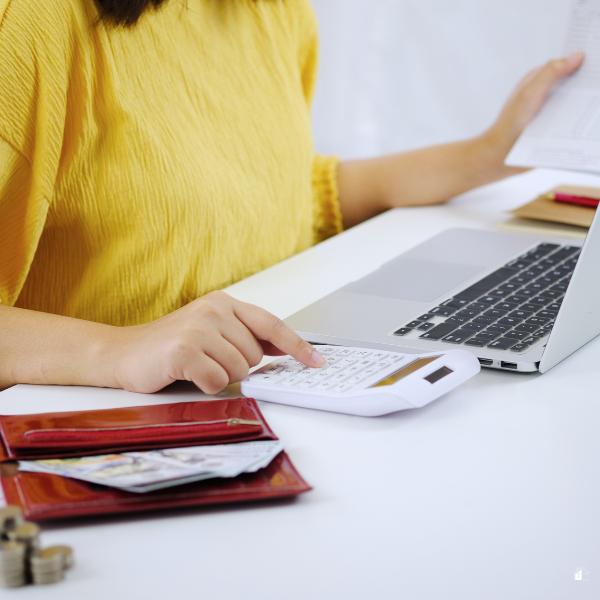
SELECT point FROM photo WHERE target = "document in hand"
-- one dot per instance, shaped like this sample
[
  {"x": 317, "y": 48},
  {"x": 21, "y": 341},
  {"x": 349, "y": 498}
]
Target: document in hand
[{"x": 566, "y": 132}]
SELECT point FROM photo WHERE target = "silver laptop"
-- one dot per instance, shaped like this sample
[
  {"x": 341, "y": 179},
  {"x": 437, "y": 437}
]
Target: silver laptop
[{"x": 518, "y": 302}]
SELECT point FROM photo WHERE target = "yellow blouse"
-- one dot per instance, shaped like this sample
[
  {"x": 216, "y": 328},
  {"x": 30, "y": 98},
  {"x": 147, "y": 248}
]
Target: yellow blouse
[{"x": 141, "y": 168}]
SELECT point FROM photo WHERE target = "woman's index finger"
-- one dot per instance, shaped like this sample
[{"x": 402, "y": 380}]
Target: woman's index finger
[{"x": 265, "y": 326}]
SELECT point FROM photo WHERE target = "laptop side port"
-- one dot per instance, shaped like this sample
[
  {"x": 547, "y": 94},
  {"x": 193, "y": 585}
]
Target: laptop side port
[
  {"x": 508, "y": 365},
  {"x": 486, "y": 362}
]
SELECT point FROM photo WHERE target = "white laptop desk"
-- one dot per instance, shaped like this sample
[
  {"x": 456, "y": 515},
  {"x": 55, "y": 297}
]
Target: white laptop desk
[{"x": 490, "y": 493}]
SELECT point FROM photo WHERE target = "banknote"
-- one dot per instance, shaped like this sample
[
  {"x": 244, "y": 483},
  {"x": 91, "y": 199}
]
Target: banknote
[{"x": 155, "y": 469}]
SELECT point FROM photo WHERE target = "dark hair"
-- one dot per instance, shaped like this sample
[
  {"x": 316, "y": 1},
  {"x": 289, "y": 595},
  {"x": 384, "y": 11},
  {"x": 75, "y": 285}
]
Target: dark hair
[{"x": 124, "y": 12}]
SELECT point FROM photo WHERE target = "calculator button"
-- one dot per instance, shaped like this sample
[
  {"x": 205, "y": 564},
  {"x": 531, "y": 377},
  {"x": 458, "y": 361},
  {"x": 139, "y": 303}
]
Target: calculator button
[
  {"x": 308, "y": 383},
  {"x": 344, "y": 353},
  {"x": 346, "y": 362},
  {"x": 379, "y": 356},
  {"x": 326, "y": 385},
  {"x": 332, "y": 359},
  {"x": 343, "y": 387},
  {"x": 382, "y": 365},
  {"x": 270, "y": 370},
  {"x": 326, "y": 350},
  {"x": 264, "y": 378},
  {"x": 304, "y": 374},
  {"x": 354, "y": 370},
  {"x": 340, "y": 377},
  {"x": 395, "y": 357},
  {"x": 363, "y": 354},
  {"x": 290, "y": 371},
  {"x": 357, "y": 379},
  {"x": 324, "y": 374},
  {"x": 292, "y": 381}
]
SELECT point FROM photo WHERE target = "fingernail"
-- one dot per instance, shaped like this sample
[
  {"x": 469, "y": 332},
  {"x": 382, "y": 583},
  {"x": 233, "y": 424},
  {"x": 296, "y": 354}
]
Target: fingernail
[
  {"x": 319, "y": 360},
  {"x": 574, "y": 58}
]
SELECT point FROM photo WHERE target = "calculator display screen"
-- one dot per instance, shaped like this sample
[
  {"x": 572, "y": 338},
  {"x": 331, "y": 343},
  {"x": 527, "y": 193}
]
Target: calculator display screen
[{"x": 405, "y": 371}]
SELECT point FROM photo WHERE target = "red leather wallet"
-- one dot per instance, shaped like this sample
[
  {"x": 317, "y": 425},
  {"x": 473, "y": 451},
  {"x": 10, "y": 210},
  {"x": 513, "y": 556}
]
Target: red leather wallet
[{"x": 60, "y": 435}]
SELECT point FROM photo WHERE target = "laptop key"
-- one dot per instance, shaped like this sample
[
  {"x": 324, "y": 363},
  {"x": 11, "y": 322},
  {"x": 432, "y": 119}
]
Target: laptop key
[
  {"x": 438, "y": 332},
  {"x": 442, "y": 311},
  {"x": 488, "y": 300},
  {"x": 455, "y": 303},
  {"x": 527, "y": 328},
  {"x": 457, "y": 320},
  {"x": 520, "y": 263},
  {"x": 521, "y": 314},
  {"x": 512, "y": 321},
  {"x": 413, "y": 324},
  {"x": 517, "y": 335},
  {"x": 540, "y": 333},
  {"x": 467, "y": 313},
  {"x": 517, "y": 299},
  {"x": 403, "y": 331},
  {"x": 476, "y": 343},
  {"x": 507, "y": 306},
  {"x": 487, "y": 335},
  {"x": 539, "y": 321},
  {"x": 551, "y": 294},
  {"x": 484, "y": 320},
  {"x": 503, "y": 343},
  {"x": 519, "y": 347},
  {"x": 549, "y": 314},
  {"x": 494, "y": 312},
  {"x": 529, "y": 307},
  {"x": 425, "y": 317},
  {"x": 472, "y": 326},
  {"x": 425, "y": 327},
  {"x": 554, "y": 306},
  {"x": 539, "y": 302},
  {"x": 529, "y": 340},
  {"x": 477, "y": 306},
  {"x": 498, "y": 328},
  {"x": 457, "y": 337}
]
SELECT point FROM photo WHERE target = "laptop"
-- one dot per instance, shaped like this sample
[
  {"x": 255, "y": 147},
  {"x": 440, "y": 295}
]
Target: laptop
[{"x": 518, "y": 302}]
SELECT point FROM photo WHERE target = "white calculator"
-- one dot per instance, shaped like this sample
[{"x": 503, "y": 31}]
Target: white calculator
[{"x": 359, "y": 381}]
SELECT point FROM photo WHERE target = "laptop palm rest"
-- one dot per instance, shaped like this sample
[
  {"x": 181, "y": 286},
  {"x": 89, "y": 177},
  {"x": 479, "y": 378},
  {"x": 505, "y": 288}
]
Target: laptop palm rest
[{"x": 412, "y": 279}]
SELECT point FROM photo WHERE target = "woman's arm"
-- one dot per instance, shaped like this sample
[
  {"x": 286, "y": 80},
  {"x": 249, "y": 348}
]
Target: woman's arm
[
  {"x": 212, "y": 341},
  {"x": 434, "y": 175}
]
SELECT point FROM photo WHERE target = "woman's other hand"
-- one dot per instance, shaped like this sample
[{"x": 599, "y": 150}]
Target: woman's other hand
[
  {"x": 525, "y": 102},
  {"x": 213, "y": 341}
]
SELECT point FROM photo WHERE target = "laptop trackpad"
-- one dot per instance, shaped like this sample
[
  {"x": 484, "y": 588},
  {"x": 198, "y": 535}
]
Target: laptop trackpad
[{"x": 412, "y": 279}]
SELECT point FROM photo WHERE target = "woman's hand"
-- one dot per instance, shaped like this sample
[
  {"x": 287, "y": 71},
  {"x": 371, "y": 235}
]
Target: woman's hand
[
  {"x": 212, "y": 341},
  {"x": 525, "y": 102},
  {"x": 436, "y": 174}
]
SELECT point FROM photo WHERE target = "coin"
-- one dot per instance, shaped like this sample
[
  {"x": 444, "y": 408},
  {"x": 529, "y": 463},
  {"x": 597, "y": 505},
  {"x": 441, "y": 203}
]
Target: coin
[
  {"x": 65, "y": 551},
  {"x": 27, "y": 533},
  {"x": 12, "y": 564},
  {"x": 47, "y": 566},
  {"x": 11, "y": 517}
]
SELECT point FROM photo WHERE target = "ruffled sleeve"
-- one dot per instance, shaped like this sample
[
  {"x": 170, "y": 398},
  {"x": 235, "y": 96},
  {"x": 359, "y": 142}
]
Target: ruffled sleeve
[{"x": 327, "y": 213}]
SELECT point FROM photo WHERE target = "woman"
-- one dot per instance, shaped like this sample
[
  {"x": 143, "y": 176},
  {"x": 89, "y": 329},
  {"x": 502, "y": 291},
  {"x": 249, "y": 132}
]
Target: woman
[{"x": 152, "y": 151}]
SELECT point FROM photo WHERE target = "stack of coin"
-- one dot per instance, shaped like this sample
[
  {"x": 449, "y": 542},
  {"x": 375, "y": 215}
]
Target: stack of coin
[
  {"x": 46, "y": 567},
  {"x": 12, "y": 564},
  {"x": 21, "y": 557}
]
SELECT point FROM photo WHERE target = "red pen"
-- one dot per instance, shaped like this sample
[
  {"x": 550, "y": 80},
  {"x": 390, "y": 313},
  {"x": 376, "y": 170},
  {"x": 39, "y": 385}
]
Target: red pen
[{"x": 578, "y": 200}]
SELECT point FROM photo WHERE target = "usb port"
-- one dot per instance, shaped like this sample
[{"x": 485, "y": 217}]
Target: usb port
[
  {"x": 486, "y": 362},
  {"x": 508, "y": 365}
]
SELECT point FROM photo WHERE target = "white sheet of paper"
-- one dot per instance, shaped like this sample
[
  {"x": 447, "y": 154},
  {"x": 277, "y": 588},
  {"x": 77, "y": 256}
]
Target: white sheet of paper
[{"x": 566, "y": 132}]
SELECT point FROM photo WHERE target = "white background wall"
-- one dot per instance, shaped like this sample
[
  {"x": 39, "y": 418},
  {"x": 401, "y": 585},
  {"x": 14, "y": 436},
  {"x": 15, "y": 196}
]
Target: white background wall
[{"x": 399, "y": 74}]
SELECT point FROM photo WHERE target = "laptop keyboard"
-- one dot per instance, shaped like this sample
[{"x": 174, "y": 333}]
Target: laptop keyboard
[{"x": 513, "y": 308}]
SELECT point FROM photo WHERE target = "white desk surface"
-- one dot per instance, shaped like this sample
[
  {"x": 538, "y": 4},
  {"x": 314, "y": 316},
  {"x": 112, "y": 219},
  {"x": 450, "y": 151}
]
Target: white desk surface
[{"x": 489, "y": 493}]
